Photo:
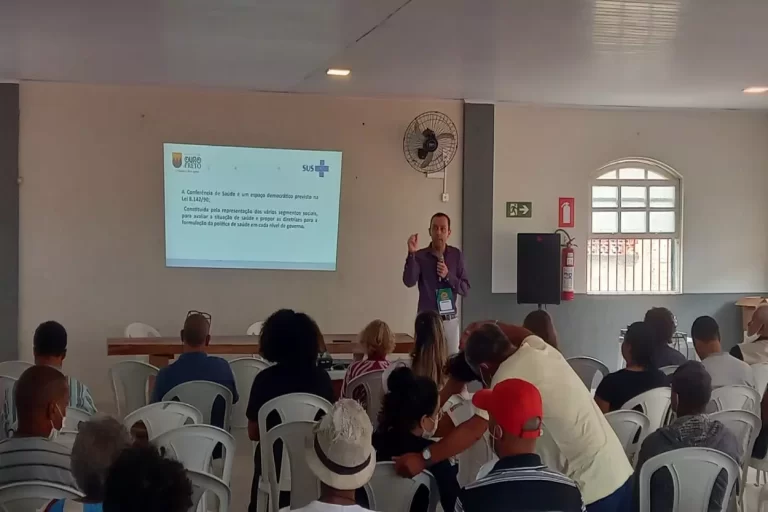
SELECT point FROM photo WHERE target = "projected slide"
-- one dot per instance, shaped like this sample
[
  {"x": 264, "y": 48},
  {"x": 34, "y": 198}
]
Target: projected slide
[{"x": 234, "y": 207}]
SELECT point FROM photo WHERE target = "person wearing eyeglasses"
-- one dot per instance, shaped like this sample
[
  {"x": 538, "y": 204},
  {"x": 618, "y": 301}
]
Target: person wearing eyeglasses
[{"x": 195, "y": 364}]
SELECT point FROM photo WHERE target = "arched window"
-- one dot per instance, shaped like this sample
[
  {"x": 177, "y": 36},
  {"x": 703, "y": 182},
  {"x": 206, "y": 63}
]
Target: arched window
[{"x": 635, "y": 229}]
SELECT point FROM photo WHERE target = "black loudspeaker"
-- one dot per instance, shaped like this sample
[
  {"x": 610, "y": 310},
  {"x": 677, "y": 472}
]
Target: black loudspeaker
[{"x": 539, "y": 275}]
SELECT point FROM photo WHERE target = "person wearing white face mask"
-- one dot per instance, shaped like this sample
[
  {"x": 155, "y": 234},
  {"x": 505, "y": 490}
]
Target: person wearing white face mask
[
  {"x": 409, "y": 417},
  {"x": 754, "y": 348},
  {"x": 42, "y": 396}
]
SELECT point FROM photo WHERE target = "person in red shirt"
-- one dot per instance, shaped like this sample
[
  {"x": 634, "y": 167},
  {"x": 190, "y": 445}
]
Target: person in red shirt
[{"x": 378, "y": 341}]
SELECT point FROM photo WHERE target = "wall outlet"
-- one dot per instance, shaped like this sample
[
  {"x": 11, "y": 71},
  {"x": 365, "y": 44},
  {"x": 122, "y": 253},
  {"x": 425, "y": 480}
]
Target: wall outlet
[{"x": 445, "y": 197}]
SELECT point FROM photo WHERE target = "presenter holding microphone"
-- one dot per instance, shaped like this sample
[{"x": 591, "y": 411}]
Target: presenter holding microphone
[{"x": 438, "y": 269}]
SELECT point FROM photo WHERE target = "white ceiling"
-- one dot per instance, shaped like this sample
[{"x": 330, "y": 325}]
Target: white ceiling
[{"x": 652, "y": 53}]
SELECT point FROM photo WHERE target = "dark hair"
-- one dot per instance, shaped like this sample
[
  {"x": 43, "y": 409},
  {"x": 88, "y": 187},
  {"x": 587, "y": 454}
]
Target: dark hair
[
  {"x": 540, "y": 323},
  {"x": 430, "y": 351},
  {"x": 196, "y": 329},
  {"x": 705, "y": 328},
  {"x": 487, "y": 344},
  {"x": 409, "y": 398},
  {"x": 639, "y": 340},
  {"x": 290, "y": 338},
  {"x": 662, "y": 323},
  {"x": 440, "y": 214},
  {"x": 50, "y": 339},
  {"x": 458, "y": 369},
  {"x": 143, "y": 480},
  {"x": 693, "y": 386}
]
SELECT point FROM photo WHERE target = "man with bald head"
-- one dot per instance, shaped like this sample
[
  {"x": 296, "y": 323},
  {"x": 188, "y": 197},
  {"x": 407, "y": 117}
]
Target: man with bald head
[
  {"x": 754, "y": 348},
  {"x": 195, "y": 364},
  {"x": 41, "y": 396}
]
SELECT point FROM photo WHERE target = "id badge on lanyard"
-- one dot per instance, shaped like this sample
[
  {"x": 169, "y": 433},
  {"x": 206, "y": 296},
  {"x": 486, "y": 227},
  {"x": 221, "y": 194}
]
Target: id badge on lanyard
[{"x": 445, "y": 301}]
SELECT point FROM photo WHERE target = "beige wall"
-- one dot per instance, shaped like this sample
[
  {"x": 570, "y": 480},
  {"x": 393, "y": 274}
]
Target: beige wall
[
  {"x": 546, "y": 153},
  {"x": 91, "y": 219}
]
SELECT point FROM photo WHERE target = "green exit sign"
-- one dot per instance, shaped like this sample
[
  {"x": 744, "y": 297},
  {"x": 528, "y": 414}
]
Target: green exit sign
[{"x": 520, "y": 209}]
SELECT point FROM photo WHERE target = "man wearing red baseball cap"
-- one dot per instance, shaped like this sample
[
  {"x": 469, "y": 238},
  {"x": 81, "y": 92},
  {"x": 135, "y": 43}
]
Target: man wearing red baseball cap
[{"x": 519, "y": 480}]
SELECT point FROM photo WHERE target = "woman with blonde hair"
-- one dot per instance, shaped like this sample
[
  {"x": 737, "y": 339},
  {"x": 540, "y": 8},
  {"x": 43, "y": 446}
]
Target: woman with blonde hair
[
  {"x": 377, "y": 341},
  {"x": 430, "y": 351}
]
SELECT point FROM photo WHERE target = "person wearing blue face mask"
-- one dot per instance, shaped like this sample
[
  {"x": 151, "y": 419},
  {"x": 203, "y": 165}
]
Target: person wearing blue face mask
[{"x": 42, "y": 396}]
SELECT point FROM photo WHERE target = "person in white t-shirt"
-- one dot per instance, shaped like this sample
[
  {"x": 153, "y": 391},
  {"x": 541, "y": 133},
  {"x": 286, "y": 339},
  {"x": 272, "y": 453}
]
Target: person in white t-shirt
[
  {"x": 724, "y": 369},
  {"x": 340, "y": 453}
]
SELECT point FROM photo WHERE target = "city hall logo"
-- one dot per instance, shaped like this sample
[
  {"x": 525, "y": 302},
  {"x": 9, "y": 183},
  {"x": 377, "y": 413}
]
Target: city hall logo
[
  {"x": 320, "y": 169},
  {"x": 191, "y": 162},
  {"x": 176, "y": 159}
]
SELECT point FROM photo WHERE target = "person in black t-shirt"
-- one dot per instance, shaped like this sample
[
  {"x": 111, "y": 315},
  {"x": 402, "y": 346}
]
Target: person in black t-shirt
[
  {"x": 639, "y": 376},
  {"x": 291, "y": 340},
  {"x": 409, "y": 417}
]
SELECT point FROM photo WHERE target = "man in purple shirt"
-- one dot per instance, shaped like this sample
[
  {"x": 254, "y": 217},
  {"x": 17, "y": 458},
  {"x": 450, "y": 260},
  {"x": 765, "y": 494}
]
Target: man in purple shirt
[{"x": 438, "y": 269}]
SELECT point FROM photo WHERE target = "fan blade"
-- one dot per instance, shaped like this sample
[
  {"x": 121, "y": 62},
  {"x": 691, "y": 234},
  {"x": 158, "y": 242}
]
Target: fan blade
[
  {"x": 416, "y": 128},
  {"x": 427, "y": 160},
  {"x": 415, "y": 140},
  {"x": 445, "y": 136}
]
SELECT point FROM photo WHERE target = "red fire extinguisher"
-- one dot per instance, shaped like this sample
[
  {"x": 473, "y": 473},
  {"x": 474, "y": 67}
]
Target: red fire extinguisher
[{"x": 569, "y": 256}]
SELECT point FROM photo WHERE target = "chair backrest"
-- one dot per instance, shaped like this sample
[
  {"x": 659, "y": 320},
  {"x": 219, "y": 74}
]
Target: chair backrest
[
  {"x": 161, "y": 417},
  {"x": 33, "y": 495},
  {"x": 201, "y": 394},
  {"x": 130, "y": 385},
  {"x": 368, "y": 385},
  {"x": 245, "y": 370},
  {"x": 193, "y": 446},
  {"x": 655, "y": 404},
  {"x": 389, "y": 492},
  {"x": 669, "y": 370},
  {"x": 74, "y": 417},
  {"x": 254, "y": 329},
  {"x": 744, "y": 425},
  {"x": 293, "y": 407},
  {"x": 140, "y": 330},
  {"x": 735, "y": 398},
  {"x": 305, "y": 486},
  {"x": 590, "y": 370},
  {"x": 630, "y": 428},
  {"x": 760, "y": 375},
  {"x": 6, "y": 392},
  {"x": 694, "y": 472},
  {"x": 203, "y": 483},
  {"x": 14, "y": 368}
]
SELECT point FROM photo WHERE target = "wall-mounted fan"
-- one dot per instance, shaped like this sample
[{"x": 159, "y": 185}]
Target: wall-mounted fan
[{"x": 430, "y": 142}]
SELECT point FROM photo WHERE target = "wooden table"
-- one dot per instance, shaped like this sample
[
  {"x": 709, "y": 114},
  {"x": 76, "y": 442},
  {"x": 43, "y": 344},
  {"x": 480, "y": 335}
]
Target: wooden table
[{"x": 162, "y": 350}]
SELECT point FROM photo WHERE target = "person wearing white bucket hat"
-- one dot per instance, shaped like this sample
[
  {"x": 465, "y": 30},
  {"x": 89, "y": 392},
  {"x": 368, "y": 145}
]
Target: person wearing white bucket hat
[{"x": 340, "y": 453}]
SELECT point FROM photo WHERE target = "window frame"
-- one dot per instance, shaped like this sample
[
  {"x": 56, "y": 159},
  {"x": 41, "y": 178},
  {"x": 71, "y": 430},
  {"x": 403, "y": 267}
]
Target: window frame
[{"x": 673, "y": 179}]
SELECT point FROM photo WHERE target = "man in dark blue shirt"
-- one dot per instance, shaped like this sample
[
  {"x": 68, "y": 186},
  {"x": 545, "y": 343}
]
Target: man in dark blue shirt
[{"x": 195, "y": 364}]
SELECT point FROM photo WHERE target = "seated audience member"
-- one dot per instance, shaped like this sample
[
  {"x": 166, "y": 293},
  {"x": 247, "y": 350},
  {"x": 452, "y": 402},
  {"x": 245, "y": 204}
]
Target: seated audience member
[
  {"x": 639, "y": 376},
  {"x": 291, "y": 340},
  {"x": 754, "y": 348},
  {"x": 195, "y": 364},
  {"x": 540, "y": 323},
  {"x": 50, "y": 349},
  {"x": 378, "y": 341},
  {"x": 430, "y": 351},
  {"x": 143, "y": 480},
  {"x": 340, "y": 454},
  {"x": 42, "y": 396},
  {"x": 409, "y": 417},
  {"x": 519, "y": 480},
  {"x": 663, "y": 326},
  {"x": 98, "y": 443},
  {"x": 594, "y": 456},
  {"x": 724, "y": 369},
  {"x": 691, "y": 392}
]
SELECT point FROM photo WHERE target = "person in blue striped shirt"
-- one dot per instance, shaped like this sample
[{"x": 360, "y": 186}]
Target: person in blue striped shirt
[{"x": 50, "y": 349}]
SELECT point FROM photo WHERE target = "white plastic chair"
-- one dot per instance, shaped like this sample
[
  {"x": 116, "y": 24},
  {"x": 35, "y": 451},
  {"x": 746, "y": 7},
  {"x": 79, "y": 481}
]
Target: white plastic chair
[
  {"x": 130, "y": 385},
  {"x": 66, "y": 438},
  {"x": 193, "y": 446},
  {"x": 694, "y": 472},
  {"x": 203, "y": 483},
  {"x": 735, "y": 398},
  {"x": 289, "y": 408},
  {"x": 760, "y": 375},
  {"x": 74, "y": 417},
  {"x": 389, "y": 492},
  {"x": 655, "y": 404},
  {"x": 161, "y": 417},
  {"x": 588, "y": 369},
  {"x": 370, "y": 384},
  {"x": 305, "y": 486},
  {"x": 201, "y": 394},
  {"x": 669, "y": 370},
  {"x": 245, "y": 370},
  {"x": 33, "y": 495},
  {"x": 14, "y": 368},
  {"x": 254, "y": 329},
  {"x": 140, "y": 330},
  {"x": 745, "y": 426},
  {"x": 630, "y": 427}
]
